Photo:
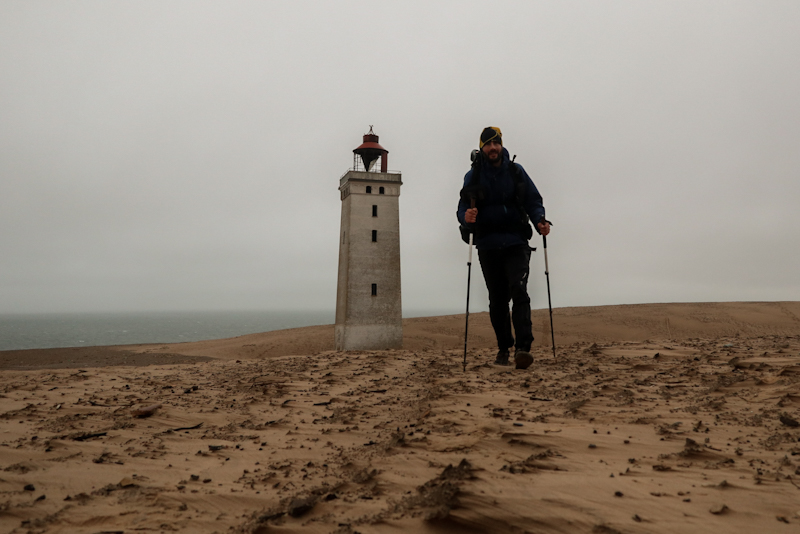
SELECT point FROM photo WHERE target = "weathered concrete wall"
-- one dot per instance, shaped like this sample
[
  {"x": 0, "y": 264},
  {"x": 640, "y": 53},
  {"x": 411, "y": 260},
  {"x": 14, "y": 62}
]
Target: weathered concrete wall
[
  {"x": 368, "y": 337},
  {"x": 344, "y": 262},
  {"x": 364, "y": 320}
]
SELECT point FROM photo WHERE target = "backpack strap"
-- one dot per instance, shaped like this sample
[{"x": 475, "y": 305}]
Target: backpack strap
[
  {"x": 519, "y": 190},
  {"x": 473, "y": 189},
  {"x": 471, "y": 193}
]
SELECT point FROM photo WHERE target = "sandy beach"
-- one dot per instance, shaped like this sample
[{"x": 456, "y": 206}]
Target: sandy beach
[{"x": 652, "y": 418}]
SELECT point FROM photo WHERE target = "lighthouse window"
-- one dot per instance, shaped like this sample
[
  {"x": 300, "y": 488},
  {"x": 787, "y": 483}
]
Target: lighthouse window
[
  {"x": 381, "y": 191},
  {"x": 374, "y": 290},
  {"x": 374, "y": 210},
  {"x": 369, "y": 189},
  {"x": 374, "y": 236}
]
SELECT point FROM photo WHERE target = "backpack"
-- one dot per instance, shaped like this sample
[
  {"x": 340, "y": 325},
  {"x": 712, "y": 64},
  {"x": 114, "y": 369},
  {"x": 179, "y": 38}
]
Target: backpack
[{"x": 474, "y": 191}]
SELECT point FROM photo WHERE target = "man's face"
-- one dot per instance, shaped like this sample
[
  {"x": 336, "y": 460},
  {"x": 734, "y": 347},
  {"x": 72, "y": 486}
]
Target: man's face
[{"x": 493, "y": 151}]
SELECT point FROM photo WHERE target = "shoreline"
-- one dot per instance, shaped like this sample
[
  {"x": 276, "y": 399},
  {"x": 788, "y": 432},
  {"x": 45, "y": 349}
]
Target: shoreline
[{"x": 608, "y": 323}]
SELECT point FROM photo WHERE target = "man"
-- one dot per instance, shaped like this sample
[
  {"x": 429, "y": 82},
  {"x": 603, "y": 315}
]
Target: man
[{"x": 497, "y": 202}]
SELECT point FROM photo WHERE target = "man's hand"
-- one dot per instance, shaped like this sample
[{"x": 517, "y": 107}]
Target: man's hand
[
  {"x": 471, "y": 215},
  {"x": 544, "y": 227}
]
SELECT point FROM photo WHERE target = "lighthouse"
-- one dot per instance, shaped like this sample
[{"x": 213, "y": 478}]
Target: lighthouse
[{"x": 368, "y": 305}]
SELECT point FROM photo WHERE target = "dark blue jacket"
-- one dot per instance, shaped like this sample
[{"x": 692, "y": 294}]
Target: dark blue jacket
[{"x": 498, "y": 215}]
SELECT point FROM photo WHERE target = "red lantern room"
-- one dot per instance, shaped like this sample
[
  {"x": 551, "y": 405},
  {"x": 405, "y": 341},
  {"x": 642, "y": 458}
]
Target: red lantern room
[{"x": 369, "y": 151}]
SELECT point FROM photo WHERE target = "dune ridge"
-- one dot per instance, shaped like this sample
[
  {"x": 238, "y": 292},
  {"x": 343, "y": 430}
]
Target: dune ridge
[{"x": 630, "y": 322}]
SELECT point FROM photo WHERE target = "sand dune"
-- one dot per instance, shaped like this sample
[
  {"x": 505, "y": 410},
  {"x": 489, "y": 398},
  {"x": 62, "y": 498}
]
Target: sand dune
[
  {"x": 635, "y": 322},
  {"x": 653, "y": 418}
]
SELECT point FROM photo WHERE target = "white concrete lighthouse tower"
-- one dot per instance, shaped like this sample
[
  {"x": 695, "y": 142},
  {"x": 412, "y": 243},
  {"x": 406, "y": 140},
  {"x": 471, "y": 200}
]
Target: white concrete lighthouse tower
[{"x": 368, "y": 306}]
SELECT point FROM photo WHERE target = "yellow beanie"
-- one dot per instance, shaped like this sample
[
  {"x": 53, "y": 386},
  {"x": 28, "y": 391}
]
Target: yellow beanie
[{"x": 489, "y": 133}]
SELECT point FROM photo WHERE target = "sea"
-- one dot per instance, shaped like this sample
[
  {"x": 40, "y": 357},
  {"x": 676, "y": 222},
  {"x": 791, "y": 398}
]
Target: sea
[{"x": 58, "y": 330}]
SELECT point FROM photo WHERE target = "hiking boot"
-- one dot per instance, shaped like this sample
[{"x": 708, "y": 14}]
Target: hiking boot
[
  {"x": 523, "y": 359},
  {"x": 502, "y": 358}
]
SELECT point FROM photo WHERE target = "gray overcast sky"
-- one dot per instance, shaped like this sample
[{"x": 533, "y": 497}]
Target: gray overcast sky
[{"x": 185, "y": 155}]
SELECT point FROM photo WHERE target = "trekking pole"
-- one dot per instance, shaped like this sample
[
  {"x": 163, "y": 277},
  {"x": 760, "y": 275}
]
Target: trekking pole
[
  {"x": 549, "y": 302},
  {"x": 469, "y": 276}
]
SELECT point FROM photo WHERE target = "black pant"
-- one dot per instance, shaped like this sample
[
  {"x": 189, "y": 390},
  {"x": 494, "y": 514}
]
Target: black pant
[{"x": 506, "y": 274}]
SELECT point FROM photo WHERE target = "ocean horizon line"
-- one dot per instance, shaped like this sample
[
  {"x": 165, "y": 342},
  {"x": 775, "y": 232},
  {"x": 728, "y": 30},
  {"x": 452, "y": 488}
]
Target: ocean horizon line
[{"x": 48, "y": 330}]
